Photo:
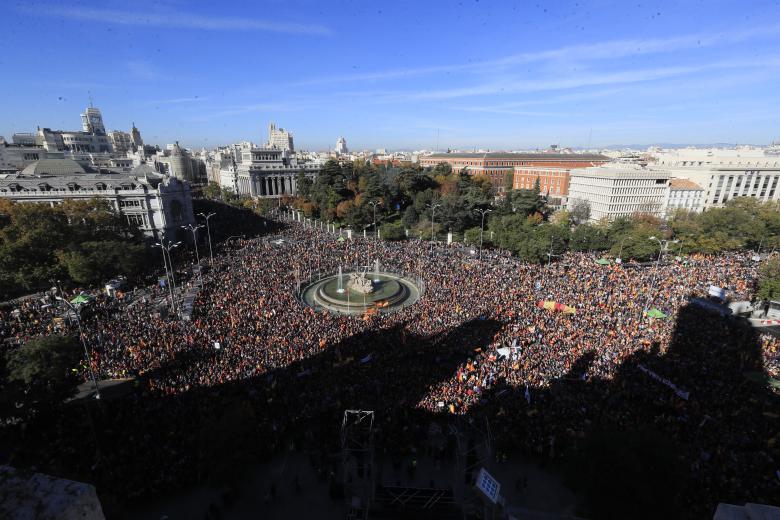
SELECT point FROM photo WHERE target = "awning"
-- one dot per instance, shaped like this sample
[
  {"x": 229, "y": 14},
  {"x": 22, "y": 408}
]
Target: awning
[{"x": 655, "y": 313}]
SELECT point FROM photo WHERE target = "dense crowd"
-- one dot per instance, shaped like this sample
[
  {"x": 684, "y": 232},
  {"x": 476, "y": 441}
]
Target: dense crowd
[{"x": 476, "y": 343}]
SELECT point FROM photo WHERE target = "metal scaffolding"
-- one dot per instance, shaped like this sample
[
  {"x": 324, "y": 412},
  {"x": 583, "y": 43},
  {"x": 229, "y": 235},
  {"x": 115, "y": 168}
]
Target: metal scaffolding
[
  {"x": 357, "y": 459},
  {"x": 474, "y": 451}
]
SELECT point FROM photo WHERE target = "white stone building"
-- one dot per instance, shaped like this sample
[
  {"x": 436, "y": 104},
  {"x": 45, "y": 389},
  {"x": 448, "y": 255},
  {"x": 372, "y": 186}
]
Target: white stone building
[
  {"x": 341, "y": 146},
  {"x": 158, "y": 204},
  {"x": 725, "y": 174},
  {"x": 615, "y": 190},
  {"x": 280, "y": 138},
  {"x": 264, "y": 172},
  {"x": 121, "y": 142},
  {"x": 684, "y": 194}
]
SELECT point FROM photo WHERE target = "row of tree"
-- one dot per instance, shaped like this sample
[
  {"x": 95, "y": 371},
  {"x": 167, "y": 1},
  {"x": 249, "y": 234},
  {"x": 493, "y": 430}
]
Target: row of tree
[
  {"x": 519, "y": 220},
  {"x": 85, "y": 242}
]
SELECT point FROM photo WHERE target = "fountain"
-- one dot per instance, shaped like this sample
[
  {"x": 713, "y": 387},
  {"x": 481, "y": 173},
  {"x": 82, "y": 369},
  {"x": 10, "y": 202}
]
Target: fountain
[
  {"x": 341, "y": 284},
  {"x": 379, "y": 292}
]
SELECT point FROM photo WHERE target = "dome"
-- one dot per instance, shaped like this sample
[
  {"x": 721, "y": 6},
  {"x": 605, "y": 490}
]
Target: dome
[{"x": 53, "y": 167}]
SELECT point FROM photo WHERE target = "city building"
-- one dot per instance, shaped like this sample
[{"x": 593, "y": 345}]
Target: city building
[
  {"x": 553, "y": 182},
  {"x": 724, "y": 174},
  {"x": 15, "y": 156},
  {"x": 341, "y": 146},
  {"x": 266, "y": 172},
  {"x": 92, "y": 121},
  {"x": 615, "y": 190},
  {"x": 496, "y": 165},
  {"x": 157, "y": 203},
  {"x": 177, "y": 163},
  {"x": 280, "y": 139},
  {"x": 121, "y": 142},
  {"x": 135, "y": 137},
  {"x": 684, "y": 194}
]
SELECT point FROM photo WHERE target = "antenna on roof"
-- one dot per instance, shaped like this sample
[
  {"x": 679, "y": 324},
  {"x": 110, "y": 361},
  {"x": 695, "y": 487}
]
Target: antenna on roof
[{"x": 90, "y": 98}]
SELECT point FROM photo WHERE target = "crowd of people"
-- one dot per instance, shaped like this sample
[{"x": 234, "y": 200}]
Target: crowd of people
[{"x": 476, "y": 344}]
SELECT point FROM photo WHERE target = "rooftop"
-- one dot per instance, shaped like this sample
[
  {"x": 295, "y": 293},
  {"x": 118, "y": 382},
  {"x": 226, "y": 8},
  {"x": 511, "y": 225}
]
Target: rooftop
[
  {"x": 683, "y": 184},
  {"x": 53, "y": 167},
  {"x": 539, "y": 156}
]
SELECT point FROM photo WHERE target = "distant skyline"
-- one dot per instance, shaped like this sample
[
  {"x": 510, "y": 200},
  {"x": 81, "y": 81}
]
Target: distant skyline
[{"x": 479, "y": 74}]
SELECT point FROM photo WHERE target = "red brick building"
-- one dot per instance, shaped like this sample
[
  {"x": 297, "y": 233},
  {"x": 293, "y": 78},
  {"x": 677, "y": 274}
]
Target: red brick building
[
  {"x": 552, "y": 181},
  {"x": 496, "y": 165}
]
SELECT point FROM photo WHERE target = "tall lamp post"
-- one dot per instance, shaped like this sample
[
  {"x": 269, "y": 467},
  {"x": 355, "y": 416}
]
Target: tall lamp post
[
  {"x": 171, "y": 279},
  {"x": 208, "y": 230},
  {"x": 81, "y": 338},
  {"x": 483, "y": 212},
  {"x": 375, "y": 203},
  {"x": 433, "y": 207},
  {"x": 664, "y": 244},
  {"x": 194, "y": 230}
]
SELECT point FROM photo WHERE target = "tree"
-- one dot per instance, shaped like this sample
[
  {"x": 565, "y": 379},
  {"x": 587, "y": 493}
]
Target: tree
[
  {"x": 212, "y": 190},
  {"x": 394, "y": 231},
  {"x": 97, "y": 261},
  {"x": 580, "y": 211},
  {"x": 410, "y": 217},
  {"x": 42, "y": 370},
  {"x": 509, "y": 179},
  {"x": 303, "y": 184},
  {"x": 471, "y": 236},
  {"x": 769, "y": 280}
]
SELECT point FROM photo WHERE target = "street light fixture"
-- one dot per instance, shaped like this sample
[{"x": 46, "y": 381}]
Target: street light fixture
[
  {"x": 208, "y": 230},
  {"x": 81, "y": 338},
  {"x": 171, "y": 278},
  {"x": 375, "y": 203},
  {"x": 194, "y": 230},
  {"x": 483, "y": 212},
  {"x": 432, "y": 206}
]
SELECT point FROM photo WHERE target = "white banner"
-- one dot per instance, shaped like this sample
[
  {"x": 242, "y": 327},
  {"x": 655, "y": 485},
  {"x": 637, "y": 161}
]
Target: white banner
[{"x": 680, "y": 393}]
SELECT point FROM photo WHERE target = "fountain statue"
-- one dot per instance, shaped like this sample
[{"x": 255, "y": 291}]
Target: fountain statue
[{"x": 359, "y": 283}]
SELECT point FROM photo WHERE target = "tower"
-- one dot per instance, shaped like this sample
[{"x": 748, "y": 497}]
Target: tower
[
  {"x": 92, "y": 121},
  {"x": 135, "y": 138}
]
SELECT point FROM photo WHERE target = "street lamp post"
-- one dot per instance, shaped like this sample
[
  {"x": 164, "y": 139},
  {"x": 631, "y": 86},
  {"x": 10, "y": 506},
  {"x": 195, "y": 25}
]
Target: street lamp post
[
  {"x": 208, "y": 230},
  {"x": 375, "y": 203},
  {"x": 81, "y": 339},
  {"x": 664, "y": 244},
  {"x": 433, "y": 207},
  {"x": 171, "y": 280},
  {"x": 482, "y": 212},
  {"x": 550, "y": 254},
  {"x": 194, "y": 230}
]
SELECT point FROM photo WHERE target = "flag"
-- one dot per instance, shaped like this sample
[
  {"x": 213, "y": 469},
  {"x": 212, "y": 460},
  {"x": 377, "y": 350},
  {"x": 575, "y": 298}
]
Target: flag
[
  {"x": 366, "y": 359},
  {"x": 527, "y": 395}
]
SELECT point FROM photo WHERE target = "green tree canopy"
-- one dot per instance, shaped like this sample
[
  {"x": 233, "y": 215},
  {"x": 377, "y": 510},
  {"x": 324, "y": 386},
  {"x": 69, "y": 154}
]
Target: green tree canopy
[{"x": 42, "y": 370}]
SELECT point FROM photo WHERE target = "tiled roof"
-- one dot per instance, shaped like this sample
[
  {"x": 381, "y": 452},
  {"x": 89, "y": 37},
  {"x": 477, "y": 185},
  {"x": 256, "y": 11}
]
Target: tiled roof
[{"x": 683, "y": 184}]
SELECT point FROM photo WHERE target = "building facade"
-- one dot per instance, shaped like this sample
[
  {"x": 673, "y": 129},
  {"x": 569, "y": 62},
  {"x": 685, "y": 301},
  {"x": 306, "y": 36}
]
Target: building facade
[
  {"x": 280, "y": 138},
  {"x": 616, "y": 190},
  {"x": 553, "y": 182},
  {"x": 684, "y": 195},
  {"x": 159, "y": 205},
  {"x": 496, "y": 165},
  {"x": 341, "y": 146},
  {"x": 264, "y": 172},
  {"x": 121, "y": 142}
]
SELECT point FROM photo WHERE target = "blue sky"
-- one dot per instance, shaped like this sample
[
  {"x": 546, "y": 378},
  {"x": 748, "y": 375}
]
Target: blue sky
[{"x": 479, "y": 74}]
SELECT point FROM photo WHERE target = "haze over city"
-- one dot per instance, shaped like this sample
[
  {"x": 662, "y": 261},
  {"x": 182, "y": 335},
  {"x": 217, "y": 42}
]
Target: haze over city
[{"x": 490, "y": 75}]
